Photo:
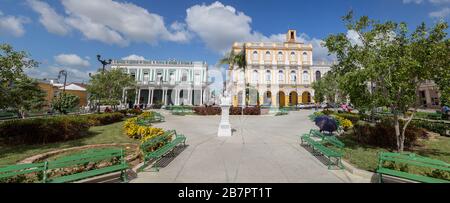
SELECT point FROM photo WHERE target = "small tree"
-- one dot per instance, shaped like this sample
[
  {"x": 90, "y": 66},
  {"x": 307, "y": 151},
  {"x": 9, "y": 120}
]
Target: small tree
[
  {"x": 12, "y": 65},
  {"x": 386, "y": 65},
  {"x": 107, "y": 87},
  {"x": 65, "y": 102},
  {"x": 25, "y": 95},
  {"x": 326, "y": 89}
]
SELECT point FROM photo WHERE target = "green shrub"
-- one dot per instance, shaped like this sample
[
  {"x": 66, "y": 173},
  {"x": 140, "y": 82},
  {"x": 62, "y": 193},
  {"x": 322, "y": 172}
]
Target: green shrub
[
  {"x": 104, "y": 119},
  {"x": 204, "y": 111},
  {"x": 252, "y": 111},
  {"x": 383, "y": 134},
  {"x": 440, "y": 174},
  {"x": 43, "y": 130},
  {"x": 354, "y": 118},
  {"x": 433, "y": 126}
]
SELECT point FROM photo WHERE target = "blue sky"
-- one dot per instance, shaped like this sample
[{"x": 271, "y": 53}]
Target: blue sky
[{"x": 67, "y": 34}]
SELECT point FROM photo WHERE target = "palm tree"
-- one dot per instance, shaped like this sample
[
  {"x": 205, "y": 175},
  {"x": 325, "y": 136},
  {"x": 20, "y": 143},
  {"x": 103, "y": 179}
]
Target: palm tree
[{"x": 240, "y": 60}]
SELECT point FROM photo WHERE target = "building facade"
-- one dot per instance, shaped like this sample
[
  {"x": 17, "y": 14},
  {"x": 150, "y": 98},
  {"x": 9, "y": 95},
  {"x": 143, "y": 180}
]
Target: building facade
[
  {"x": 53, "y": 88},
  {"x": 277, "y": 74},
  {"x": 429, "y": 95},
  {"x": 166, "y": 82}
]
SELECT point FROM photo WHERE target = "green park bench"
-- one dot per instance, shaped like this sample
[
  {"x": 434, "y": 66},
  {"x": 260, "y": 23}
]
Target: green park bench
[
  {"x": 22, "y": 169},
  {"x": 154, "y": 118},
  {"x": 84, "y": 158},
  {"x": 320, "y": 147},
  {"x": 168, "y": 146},
  {"x": 410, "y": 159},
  {"x": 180, "y": 110}
]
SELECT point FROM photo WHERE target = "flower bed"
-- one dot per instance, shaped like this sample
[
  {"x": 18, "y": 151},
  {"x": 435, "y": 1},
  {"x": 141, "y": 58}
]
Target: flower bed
[
  {"x": 141, "y": 132},
  {"x": 207, "y": 111}
]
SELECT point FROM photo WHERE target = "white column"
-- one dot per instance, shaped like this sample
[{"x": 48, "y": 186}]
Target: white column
[
  {"x": 201, "y": 97},
  {"x": 138, "y": 94},
  {"x": 165, "y": 97},
  {"x": 177, "y": 97},
  {"x": 151, "y": 98},
  {"x": 190, "y": 96}
]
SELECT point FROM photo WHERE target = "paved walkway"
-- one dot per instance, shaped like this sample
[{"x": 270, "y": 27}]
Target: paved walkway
[{"x": 263, "y": 149}]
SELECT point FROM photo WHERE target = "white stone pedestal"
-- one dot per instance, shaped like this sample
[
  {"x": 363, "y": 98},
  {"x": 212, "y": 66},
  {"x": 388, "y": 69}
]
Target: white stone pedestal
[{"x": 225, "y": 126}]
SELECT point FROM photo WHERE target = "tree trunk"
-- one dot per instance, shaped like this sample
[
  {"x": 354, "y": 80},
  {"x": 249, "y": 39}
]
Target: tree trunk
[
  {"x": 406, "y": 126},
  {"x": 397, "y": 133}
]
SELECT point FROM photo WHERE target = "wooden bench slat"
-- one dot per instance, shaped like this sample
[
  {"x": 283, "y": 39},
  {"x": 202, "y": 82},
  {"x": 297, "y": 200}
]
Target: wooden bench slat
[{"x": 410, "y": 176}]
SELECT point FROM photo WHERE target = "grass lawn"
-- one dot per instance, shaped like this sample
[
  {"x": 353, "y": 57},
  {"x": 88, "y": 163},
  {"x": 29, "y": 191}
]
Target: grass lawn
[
  {"x": 366, "y": 157},
  {"x": 107, "y": 134}
]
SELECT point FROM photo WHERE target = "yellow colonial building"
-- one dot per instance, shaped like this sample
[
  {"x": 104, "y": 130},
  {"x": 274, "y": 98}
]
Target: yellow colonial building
[{"x": 277, "y": 74}]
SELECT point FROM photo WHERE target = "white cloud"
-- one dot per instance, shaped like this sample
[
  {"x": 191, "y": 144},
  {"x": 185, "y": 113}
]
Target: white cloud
[
  {"x": 134, "y": 57},
  {"x": 72, "y": 60},
  {"x": 108, "y": 21},
  {"x": 439, "y": 1},
  {"x": 219, "y": 26},
  {"x": 443, "y": 13},
  {"x": 412, "y": 1},
  {"x": 120, "y": 20},
  {"x": 12, "y": 25},
  {"x": 51, "y": 20},
  {"x": 354, "y": 38}
]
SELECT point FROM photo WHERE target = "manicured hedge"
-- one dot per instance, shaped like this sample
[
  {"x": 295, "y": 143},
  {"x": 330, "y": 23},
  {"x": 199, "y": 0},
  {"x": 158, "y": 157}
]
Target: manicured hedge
[
  {"x": 206, "y": 111},
  {"x": 247, "y": 110},
  {"x": 43, "y": 130},
  {"x": 104, "y": 119},
  {"x": 52, "y": 129},
  {"x": 437, "y": 127}
]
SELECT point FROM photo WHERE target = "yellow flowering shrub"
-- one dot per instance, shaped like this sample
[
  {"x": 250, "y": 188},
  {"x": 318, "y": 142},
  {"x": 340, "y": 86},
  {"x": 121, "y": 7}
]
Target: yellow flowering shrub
[
  {"x": 345, "y": 123},
  {"x": 148, "y": 133},
  {"x": 144, "y": 133},
  {"x": 131, "y": 128}
]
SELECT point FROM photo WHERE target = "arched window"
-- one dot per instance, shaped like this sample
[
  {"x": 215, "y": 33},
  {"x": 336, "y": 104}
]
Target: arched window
[
  {"x": 318, "y": 75},
  {"x": 305, "y": 57},
  {"x": 293, "y": 76},
  {"x": 255, "y": 76},
  {"x": 255, "y": 55},
  {"x": 280, "y": 56},
  {"x": 268, "y": 57},
  {"x": 268, "y": 76},
  {"x": 293, "y": 57},
  {"x": 305, "y": 77},
  {"x": 280, "y": 76}
]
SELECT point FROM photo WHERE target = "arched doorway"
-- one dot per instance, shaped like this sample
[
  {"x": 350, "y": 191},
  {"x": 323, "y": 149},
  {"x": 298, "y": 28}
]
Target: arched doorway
[
  {"x": 268, "y": 98},
  {"x": 293, "y": 99},
  {"x": 306, "y": 97},
  {"x": 281, "y": 99}
]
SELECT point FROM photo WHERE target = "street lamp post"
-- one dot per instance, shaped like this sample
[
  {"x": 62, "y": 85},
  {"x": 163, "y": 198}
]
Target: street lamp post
[
  {"x": 103, "y": 62},
  {"x": 63, "y": 72}
]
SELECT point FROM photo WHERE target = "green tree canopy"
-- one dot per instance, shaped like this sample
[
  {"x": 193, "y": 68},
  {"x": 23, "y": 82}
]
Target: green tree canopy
[
  {"x": 107, "y": 87},
  {"x": 386, "y": 64},
  {"x": 65, "y": 102},
  {"x": 12, "y": 66}
]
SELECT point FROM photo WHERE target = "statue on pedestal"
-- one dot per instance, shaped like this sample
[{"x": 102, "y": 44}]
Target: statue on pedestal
[{"x": 225, "y": 126}]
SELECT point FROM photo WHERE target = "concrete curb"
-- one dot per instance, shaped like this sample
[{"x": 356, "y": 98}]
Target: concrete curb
[{"x": 359, "y": 172}]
